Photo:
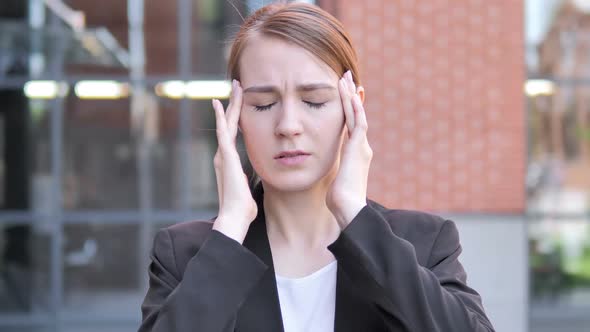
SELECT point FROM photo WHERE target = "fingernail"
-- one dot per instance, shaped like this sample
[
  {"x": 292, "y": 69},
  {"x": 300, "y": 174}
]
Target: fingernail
[
  {"x": 349, "y": 73},
  {"x": 233, "y": 87}
]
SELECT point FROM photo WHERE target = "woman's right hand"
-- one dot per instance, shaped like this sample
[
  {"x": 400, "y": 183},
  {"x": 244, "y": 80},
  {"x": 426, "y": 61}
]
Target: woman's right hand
[{"x": 237, "y": 208}]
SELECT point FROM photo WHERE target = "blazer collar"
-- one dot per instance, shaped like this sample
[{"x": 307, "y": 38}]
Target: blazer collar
[
  {"x": 257, "y": 239},
  {"x": 261, "y": 311}
]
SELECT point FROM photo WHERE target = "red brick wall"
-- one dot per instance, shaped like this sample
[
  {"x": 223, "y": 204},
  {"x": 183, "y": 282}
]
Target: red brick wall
[{"x": 444, "y": 82}]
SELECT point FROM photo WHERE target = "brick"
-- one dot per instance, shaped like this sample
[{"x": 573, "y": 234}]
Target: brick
[{"x": 446, "y": 87}]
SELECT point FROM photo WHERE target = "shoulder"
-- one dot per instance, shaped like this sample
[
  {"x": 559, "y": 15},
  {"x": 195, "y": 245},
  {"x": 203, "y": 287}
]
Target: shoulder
[
  {"x": 409, "y": 223},
  {"x": 190, "y": 233},
  {"x": 425, "y": 231},
  {"x": 178, "y": 243}
]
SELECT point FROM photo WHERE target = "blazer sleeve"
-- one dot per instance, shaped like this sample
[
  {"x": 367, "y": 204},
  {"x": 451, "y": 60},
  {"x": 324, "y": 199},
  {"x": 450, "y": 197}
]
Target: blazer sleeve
[
  {"x": 208, "y": 294},
  {"x": 386, "y": 271}
]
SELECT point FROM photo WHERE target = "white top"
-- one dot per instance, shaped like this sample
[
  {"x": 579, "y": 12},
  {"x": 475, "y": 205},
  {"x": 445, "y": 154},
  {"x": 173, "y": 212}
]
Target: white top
[{"x": 308, "y": 304}]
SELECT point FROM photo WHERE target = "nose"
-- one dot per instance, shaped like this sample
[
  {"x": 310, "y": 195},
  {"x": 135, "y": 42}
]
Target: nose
[{"x": 289, "y": 121}]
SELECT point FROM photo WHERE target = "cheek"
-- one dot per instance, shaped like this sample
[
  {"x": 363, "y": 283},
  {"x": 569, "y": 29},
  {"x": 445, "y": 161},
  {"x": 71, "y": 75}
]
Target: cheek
[
  {"x": 248, "y": 122},
  {"x": 254, "y": 150},
  {"x": 255, "y": 129},
  {"x": 332, "y": 119}
]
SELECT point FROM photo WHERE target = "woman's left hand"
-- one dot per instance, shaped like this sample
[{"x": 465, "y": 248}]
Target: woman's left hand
[{"x": 348, "y": 192}]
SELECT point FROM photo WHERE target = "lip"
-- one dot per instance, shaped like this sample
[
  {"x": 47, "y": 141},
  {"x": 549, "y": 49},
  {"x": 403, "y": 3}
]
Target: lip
[
  {"x": 293, "y": 160},
  {"x": 291, "y": 157},
  {"x": 290, "y": 154}
]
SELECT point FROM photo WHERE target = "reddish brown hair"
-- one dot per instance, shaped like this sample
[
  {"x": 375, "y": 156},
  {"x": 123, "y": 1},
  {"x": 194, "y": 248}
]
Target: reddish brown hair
[{"x": 305, "y": 25}]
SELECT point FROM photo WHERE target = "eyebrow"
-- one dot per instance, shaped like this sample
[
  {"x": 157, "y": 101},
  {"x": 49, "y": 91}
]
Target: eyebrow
[{"x": 274, "y": 89}]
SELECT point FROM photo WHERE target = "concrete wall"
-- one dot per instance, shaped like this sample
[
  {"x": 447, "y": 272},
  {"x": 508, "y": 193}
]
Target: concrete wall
[{"x": 495, "y": 257}]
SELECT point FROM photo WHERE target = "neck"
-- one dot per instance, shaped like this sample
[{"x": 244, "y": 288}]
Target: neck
[{"x": 300, "y": 219}]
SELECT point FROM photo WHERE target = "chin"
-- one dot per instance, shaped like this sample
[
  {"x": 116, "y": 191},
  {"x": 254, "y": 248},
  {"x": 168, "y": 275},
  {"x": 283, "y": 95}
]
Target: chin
[{"x": 291, "y": 182}]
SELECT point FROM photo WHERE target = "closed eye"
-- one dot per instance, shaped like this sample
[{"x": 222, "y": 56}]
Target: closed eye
[
  {"x": 314, "y": 105},
  {"x": 263, "y": 107}
]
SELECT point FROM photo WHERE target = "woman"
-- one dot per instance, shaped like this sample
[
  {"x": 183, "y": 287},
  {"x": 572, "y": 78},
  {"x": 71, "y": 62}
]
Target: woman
[{"x": 305, "y": 250}]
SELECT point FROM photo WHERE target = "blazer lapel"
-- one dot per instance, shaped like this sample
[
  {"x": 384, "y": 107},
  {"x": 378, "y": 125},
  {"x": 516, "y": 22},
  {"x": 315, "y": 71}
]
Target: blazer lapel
[
  {"x": 349, "y": 308},
  {"x": 261, "y": 311}
]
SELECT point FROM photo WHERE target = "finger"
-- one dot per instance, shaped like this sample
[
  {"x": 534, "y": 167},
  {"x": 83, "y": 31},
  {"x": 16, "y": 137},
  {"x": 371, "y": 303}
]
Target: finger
[
  {"x": 234, "y": 109},
  {"x": 350, "y": 81},
  {"x": 220, "y": 125},
  {"x": 227, "y": 146},
  {"x": 352, "y": 90},
  {"x": 218, "y": 159},
  {"x": 360, "y": 118},
  {"x": 360, "y": 115},
  {"x": 346, "y": 104},
  {"x": 229, "y": 166}
]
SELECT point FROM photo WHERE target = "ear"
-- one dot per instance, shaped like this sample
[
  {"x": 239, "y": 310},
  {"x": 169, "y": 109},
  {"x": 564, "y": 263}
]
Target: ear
[{"x": 361, "y": 91}]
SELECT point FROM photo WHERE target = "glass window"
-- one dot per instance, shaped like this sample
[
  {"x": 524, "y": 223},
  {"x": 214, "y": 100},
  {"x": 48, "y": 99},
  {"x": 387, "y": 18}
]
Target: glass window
[
  {"x": 560, "y": 273},
  {"x": 83, "y": 328},
  {"x": 99, "y": 159},
  {"x": 558, "y": 176},
  {"x": 169, "y": 150},
  {"x": 73, "y": 173},
  {"x": 25, "y": 268},
  {"x": 25, "y": 159},
  {"x": 214, "y": 25},
  {"x": 98, "y": 278},
  {"x": 30, "y": 329},
  {"x": 161, "y": 37},
  {"x": 558, "y": 91}
]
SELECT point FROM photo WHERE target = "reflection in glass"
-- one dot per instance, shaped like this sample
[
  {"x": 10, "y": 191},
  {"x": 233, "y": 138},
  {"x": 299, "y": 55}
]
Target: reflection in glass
[
  {"x": 558, "y": 178},
  {"x": 24, "y": 175},
  {"x": 100, "y": 167},
  {"x": 31, "y": 329},
  {"x": 558, "y": 174},
  {"x": 101, "y": 265},
  {"x": 214, "y": 24},
  {"x": 78, "y": 328},
  {"x": 61, "y": 44},
  {"x": 198, "y": 151},
  {"x": 24, "y": 268},
  {"x": 560, "y": 261}
]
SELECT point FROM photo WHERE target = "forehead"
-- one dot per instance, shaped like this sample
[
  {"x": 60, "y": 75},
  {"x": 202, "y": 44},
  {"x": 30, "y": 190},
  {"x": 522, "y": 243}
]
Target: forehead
[{"x": 273, "y": 60}]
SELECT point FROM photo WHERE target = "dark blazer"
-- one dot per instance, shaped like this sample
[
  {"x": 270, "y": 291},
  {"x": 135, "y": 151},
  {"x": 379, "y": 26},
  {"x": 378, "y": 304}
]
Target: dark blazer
[{"x": 398, "y": 270}]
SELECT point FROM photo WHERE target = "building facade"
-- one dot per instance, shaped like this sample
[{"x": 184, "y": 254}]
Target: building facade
[{"x": 87, "y": 178}]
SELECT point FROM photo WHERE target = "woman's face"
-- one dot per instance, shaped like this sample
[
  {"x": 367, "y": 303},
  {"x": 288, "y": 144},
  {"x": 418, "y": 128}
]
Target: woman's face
[{"x": 290, "y": 102}]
